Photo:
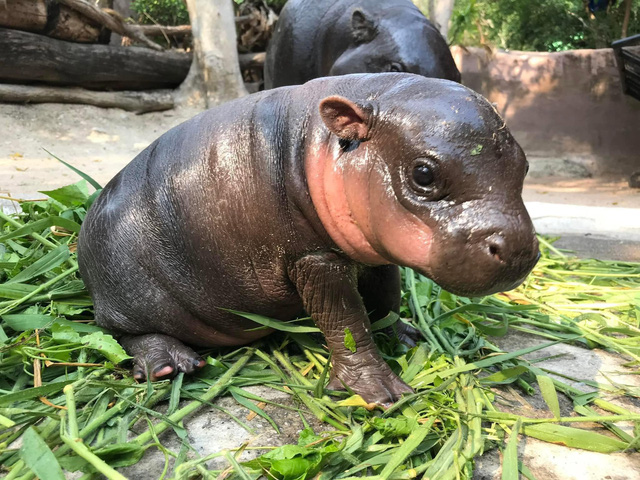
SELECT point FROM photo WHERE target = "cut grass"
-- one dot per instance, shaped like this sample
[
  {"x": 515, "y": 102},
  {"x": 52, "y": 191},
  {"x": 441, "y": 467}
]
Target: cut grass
[{"x": 64, "y": 393}]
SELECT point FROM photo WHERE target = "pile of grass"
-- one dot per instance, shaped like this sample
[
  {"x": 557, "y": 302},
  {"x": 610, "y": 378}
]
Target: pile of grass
[{"x": 66, "y": 397}]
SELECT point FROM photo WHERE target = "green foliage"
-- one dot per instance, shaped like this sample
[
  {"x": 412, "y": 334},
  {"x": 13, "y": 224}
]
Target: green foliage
[
  {"x": 47, "y": 337},
  {"x": 164, "y": 12},
  {"x": 543, "y": 25}
]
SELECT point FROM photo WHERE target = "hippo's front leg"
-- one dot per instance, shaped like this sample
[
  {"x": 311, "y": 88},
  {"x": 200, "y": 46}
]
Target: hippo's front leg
[
  {"x": 381, "y": 292},
  {"x": 328, "y": 285}
]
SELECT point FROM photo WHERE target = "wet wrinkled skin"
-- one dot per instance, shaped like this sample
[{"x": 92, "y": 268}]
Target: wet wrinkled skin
[
  {"x": 318, "y": 38},
  {"x": 304, "y": 199}
]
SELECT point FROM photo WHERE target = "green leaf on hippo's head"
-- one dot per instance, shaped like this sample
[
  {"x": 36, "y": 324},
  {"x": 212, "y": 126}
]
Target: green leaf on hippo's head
[
  {"x": 477, "y": 150},
  {"x": 349, "y": 341}
]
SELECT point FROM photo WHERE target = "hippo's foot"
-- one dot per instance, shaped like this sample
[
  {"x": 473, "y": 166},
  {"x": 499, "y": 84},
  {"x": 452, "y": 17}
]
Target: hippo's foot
[
  {"x": 375, "y": 382},
  {"x": 158, "y": 357},
  {"x": 406, "y": 333}
]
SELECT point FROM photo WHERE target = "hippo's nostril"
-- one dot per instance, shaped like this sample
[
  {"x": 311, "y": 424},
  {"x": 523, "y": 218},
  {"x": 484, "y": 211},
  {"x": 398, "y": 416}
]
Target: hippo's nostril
[{"x": 496, "y": 244}]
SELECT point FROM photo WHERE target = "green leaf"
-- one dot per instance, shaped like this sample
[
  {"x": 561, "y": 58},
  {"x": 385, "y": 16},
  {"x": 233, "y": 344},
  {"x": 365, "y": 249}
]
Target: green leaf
[
  {"x": 507, "y": 375},
  {"x": 349, "y": 341},
  {"x": 106, "y": 345},
  {"x": 318, "y": 390},
  {"x": 100, "y": 341},
  {"x": 385, "y": 322},
  {"x": 549, "y": 394},
  {"x": 477, "y": 150},
  {"x": 510, "y": 457},
  {"x": 275, "y": 324},
  {"x": 492, "y": 330},
  {"x": 410, "y": 444},
  {"x": 574, "y": 437},
  {"x": 30, "y": 393},
  {"x": 237, "y": 394},
  {"x": 15, "y": 291},
  {"x": 293, "y": 462},
  {"x": 38, "y": 457},
  {"x": 70, "y": 196},
  {"x": 394, "y": 427},
  {"x": 39, "y": 225},
  {"x": 48, "y": 262},
  {"x": 174, "y": 398},
  {"x": 121, "y": 454},
  {"x": 24, "y": 321},
  {"x": 93, "y": 183}
]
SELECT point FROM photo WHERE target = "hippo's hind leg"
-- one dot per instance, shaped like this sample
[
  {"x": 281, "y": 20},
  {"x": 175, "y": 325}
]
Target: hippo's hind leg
[
  {"x": 155, "y": 343},
  {"x": 380, "y": 291},
  {"x": 157, "y": 356}
]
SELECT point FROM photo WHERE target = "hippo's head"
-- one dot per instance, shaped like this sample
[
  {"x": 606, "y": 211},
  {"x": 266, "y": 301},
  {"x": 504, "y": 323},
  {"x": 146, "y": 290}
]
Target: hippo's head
[
  {"x": 424, "y": 173},
  {"x": 396, "y": 39}
]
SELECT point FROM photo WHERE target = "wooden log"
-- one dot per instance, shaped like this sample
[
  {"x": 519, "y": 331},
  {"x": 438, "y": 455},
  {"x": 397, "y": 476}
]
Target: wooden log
[
  {"x": 28, "y": 15},
  {"x": 140, "y": 102},
  {"x": 31, "y": 58},
  {"x": 113, "y": 21},
  {"x": 67, "y": 24},
  {"x": 171, "y": 31},
  {"x": 251, "y": 60}
]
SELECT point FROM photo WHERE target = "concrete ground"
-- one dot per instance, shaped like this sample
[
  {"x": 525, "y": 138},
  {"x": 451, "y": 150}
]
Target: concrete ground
[{"x": 596, "y": 217}]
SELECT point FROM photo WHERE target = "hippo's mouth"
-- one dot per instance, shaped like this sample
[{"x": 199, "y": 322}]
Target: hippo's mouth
[{"x": 481, "y": 278}]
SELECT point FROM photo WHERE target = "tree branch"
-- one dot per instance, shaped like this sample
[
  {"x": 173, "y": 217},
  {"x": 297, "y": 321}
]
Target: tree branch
[{"x": 114, "y": 23}]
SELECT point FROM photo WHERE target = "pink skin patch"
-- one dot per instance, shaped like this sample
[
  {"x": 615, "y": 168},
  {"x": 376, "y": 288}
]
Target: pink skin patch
[
  {"x": 359, "y": 210},
  {"x": 168, "y": 370}
]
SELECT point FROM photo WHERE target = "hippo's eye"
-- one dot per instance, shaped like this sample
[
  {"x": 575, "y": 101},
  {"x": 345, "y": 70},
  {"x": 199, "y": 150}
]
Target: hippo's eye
[
  {"x": 396, "y": 67},
  {"x": 423, "y": 175}
]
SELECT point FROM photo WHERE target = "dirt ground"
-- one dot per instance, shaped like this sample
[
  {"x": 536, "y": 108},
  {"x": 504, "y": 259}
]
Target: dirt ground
[
  {"x": 97, "y": 141},
  {"x": 101, "y": 141}
]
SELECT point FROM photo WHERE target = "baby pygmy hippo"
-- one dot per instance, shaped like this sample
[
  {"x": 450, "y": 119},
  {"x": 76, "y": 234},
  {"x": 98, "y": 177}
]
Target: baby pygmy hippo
[{"x": 304, "y": 199}]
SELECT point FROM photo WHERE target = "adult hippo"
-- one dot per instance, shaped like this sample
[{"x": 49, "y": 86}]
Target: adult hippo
[
  {"x": 318, "y": 38},
  {"x": 304, "y": 199}
]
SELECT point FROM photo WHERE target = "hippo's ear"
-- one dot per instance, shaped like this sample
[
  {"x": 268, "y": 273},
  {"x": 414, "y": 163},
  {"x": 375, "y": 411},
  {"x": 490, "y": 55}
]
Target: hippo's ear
[
  {"x": 363, "y": 28},
  {"x": 344, "y": 118}
]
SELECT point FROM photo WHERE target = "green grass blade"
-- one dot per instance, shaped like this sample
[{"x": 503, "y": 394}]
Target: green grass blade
[
  {"x": 237, "y": 394},
  {"x": 409, "y": 445},
  {"x": 93, "y": 183},
  {"x": 40, "y": 225},
  {"x": 549, "y": 394},
  {"x": 275, "y": 324},
  {"x": 30, "y": 393},
  {"x": 48, "y": 262},
  {"x": 574, "y": 437},
  {"x": 510, "y": 456}
]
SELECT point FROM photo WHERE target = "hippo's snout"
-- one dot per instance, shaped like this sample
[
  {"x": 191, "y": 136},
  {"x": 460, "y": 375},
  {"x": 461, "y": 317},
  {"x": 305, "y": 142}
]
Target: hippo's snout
[
  {"x": 485, "y": 262},
  {"x": 512, "y": 260}
]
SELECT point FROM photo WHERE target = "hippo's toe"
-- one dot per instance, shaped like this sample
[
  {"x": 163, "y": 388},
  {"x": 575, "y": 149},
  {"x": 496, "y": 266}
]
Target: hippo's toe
[
  {"x": 406, "y": 333},
  {"x": 375, "y": 383},
  {"x": 158, "y": 357}
]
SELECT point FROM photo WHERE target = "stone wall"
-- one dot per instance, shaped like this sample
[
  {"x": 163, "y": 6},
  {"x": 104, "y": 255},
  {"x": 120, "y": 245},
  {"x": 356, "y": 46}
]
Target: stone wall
[{"x": 563, "y": 107}]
